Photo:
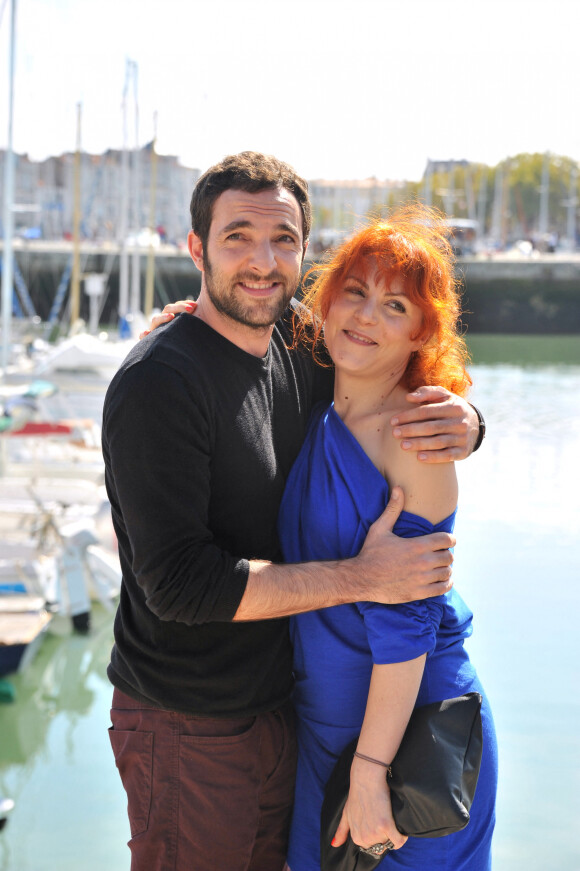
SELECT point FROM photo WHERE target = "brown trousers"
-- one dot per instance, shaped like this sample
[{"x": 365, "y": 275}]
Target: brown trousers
[{"x": 205, "y": 794}]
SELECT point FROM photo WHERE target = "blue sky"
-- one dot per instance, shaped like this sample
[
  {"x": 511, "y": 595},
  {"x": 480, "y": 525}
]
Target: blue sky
[{"x": 339, "y": 89}]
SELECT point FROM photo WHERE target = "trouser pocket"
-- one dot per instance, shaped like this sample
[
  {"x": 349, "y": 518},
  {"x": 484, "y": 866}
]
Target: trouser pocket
[{"x": 133, "y": 753}]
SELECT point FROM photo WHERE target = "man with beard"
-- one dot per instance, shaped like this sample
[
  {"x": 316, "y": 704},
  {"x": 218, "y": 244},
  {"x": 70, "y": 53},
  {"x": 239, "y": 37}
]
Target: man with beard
[{"x": 200, "y": 428}]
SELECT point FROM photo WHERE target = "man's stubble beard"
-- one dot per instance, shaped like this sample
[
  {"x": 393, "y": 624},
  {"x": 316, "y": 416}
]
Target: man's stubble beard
[{"x": 257, "y": 314}]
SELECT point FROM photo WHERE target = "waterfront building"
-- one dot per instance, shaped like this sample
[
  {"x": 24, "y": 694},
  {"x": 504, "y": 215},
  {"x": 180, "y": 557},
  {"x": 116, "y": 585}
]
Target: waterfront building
[
  {"x": 339, "y": 205},
  {"x": 44, "y": 198},
  {"x": 44, "y": 195}
]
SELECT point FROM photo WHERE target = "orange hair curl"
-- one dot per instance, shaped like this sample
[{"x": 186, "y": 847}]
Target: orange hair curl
[{"x": 412, "y": 243}]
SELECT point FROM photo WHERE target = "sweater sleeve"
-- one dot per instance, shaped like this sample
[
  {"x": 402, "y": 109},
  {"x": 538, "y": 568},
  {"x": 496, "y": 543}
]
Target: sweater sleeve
[{"x": 157, "y": 449}]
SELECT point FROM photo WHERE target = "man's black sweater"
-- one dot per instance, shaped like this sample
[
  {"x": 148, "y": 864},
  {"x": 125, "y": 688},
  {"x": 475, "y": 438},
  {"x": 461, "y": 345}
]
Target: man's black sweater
[{"x": 198, "y": 439}]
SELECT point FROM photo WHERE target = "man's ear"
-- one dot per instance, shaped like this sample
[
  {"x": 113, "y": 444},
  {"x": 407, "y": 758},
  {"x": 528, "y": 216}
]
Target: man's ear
[{"x": 195, "y": 248}]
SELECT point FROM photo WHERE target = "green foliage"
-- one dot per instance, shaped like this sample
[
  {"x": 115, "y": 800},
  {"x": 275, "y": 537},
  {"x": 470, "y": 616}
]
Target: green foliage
[
  {"x": 471, "y": 191},
  {"x": 525, "y": 175}
]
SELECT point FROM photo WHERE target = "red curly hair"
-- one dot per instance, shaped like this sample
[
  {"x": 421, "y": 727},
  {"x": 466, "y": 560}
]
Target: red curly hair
[{"x": 411, "y": 243}]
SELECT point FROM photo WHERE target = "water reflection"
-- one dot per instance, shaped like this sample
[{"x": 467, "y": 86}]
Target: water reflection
[
  {"x": 55, "y": 682},
  {"x": 41, "y": 738}
]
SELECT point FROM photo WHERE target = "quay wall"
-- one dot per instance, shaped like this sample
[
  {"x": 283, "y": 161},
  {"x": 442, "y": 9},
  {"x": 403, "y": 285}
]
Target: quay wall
[
  {"x": 500, "y": 295},
  {"x": 532, "y": 296}
]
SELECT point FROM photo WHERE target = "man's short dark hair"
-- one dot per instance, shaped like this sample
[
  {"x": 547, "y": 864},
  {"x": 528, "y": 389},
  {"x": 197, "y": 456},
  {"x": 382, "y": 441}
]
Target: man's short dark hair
[{"x": 248, "y": 171}]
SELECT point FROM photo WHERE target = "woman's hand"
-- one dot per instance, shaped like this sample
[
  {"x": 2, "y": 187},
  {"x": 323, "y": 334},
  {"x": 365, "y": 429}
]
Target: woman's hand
[
  {"x": 367, "y": 813},
  {"x": 443, "y": 428},
  {"x": 168, "y": 313}
]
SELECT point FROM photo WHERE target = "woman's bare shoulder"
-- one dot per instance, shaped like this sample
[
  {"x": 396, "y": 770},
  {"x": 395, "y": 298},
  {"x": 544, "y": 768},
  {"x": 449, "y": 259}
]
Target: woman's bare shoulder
[{"x": 430, "y": 488}]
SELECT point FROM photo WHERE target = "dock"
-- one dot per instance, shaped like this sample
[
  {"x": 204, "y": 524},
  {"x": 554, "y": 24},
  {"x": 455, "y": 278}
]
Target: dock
[{"x": 502, "y": 293}]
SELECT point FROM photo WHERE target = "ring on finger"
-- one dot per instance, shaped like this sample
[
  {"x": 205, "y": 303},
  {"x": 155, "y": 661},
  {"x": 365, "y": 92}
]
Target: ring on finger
[{"x": 378, "y": 849}]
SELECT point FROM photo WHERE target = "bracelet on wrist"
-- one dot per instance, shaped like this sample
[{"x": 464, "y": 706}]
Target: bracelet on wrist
[{"x": 375, "y": 761}]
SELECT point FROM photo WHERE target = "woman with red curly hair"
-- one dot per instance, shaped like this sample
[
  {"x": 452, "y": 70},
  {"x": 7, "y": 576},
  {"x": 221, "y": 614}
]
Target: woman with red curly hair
[{"x": 385, "y": 307}]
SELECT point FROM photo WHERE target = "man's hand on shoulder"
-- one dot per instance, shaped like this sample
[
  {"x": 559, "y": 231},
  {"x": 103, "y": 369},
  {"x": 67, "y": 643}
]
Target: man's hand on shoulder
[
  {"x": 403, "y": 569},
  {"x": 168, "y": 313},
  {"x": 441, "y": 428}
]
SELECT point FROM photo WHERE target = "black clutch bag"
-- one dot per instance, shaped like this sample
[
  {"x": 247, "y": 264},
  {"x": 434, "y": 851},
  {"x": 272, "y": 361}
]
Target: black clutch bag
[{"x": 432, "y": 780}]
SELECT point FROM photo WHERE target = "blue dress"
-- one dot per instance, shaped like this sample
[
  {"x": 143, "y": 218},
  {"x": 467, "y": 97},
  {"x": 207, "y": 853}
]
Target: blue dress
[{"x": 333, "y": 494}]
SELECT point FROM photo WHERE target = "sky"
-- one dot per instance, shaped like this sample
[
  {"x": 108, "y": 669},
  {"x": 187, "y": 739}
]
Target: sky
[{"x": 338, "y": 88}]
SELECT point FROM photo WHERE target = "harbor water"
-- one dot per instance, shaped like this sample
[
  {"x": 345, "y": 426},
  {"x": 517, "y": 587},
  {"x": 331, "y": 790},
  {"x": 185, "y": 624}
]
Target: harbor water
[{"x": 516, "y": 563}]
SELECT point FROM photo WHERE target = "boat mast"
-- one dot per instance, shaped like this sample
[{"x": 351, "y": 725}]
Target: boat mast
[
  {"x": 75, "y": 280},
  {"x": 481, "y": 203},
  {"x": 8, "y": 252},
  {"x": 150, "y": 273},
  {"x": 544, "y": 196},
  {"x": 135, "y": 178},
  {"x": 123, "y": 218},
  {"x": 450, "y": 192},
  {"x": 497, "y": 210},
  {"x": 572, "y": 201},
  {"x": 428, "y": 187}
]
